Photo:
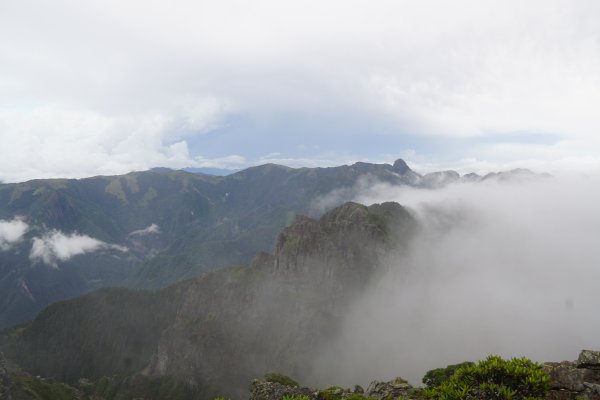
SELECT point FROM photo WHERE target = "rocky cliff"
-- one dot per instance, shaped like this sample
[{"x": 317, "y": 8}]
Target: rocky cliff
[
  {"x": 217, "y": 332},
  {"x": 275, "y": 315}
]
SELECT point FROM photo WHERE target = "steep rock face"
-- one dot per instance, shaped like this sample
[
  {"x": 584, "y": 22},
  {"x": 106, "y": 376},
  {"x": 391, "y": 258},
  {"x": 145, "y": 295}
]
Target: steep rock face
[{"x": 234, "y": 326}]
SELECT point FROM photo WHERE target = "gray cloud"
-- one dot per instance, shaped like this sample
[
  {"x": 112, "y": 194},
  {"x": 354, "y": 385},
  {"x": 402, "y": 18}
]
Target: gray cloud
[
  {"x": 160, "y": 76},
  {"x": 11, "y": 232},
  {"x": 56, "y": 246},
  {"x": 506, "y": 268}
]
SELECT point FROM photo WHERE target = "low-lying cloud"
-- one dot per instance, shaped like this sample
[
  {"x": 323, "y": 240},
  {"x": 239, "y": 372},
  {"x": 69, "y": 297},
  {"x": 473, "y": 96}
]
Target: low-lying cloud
[
  {"x": 497, "y": 268},
  {"x": 153, "y": 229},
  {"x": 57, "y": 246},
  {"x": 11, "y": 232}
]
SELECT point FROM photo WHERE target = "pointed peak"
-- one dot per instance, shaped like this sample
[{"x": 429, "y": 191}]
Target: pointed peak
[{"x": 400, "y": 166}]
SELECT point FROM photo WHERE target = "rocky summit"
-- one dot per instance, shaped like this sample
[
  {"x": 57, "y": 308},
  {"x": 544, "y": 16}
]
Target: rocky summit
[
  {"x": 575, "y": 380},
  {"x": 569, "y": 380}
]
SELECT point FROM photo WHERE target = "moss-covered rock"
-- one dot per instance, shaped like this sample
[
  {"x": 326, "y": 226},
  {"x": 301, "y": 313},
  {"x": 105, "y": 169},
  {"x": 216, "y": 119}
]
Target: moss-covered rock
[
  {"x": 265, "y": 390},
  {"x": 281, "y": 379}
]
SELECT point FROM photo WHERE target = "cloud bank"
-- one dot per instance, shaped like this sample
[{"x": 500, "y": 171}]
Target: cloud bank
[
  {"x": 504, "y": 268},
  {"x": 152, "y": 89},
  {"x": 56, "y": 246},
  {"x": 11, "y": 232}
]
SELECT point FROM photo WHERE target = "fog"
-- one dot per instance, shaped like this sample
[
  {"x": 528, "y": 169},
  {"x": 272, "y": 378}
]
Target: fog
[{"x": 509, "y": 268}]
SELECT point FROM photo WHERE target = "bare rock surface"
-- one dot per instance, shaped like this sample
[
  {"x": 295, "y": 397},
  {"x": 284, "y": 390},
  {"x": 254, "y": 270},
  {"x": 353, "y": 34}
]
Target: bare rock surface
[
  {"x": 396, "y": 388},
  {"x": 571, "y": 380},
  {"x": 262, "y": 390}
]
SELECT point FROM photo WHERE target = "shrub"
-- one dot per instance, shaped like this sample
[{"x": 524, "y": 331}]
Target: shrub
[
  {"x": 437, "y": 376},
  {"x": 331, "y": 393},
  {"x": 282, "y": 379},
  {"x": 494, "y": 379},
  {"x": 296, "y": 397},
  {"x": 358, "y": 396}
]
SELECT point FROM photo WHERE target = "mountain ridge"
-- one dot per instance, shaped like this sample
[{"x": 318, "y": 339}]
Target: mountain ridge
[{"x": 184, "y": 224}]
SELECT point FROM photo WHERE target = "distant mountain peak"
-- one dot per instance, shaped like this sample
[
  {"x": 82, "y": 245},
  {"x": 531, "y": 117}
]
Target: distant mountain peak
[{"x": 400, "y": 166}]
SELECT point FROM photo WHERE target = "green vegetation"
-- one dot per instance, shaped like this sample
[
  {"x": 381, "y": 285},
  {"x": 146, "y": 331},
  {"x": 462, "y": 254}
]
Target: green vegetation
[
  {"x": 27, "y": 386},
  {"x": 119, "y": 330},
  {"x": 358, "y": 396},
  {"x": 141, "y": 387},
  {"x": 331, "y": 393},
  {"x": 296, "y": 397},
  {"x": 437, "y": 376},
  {"x": 494, "y": 378},
  {"x": 282, "y": 379}
]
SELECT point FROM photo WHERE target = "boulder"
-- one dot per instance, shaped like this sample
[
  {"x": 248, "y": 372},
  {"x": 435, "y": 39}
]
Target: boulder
[
  {"x": 261, "y": 390},
  {"x": 589, "y": 359},
  {"x": 578, "y": 380},
  {"x": 391, "y": 390},
  {"x": 566, "y": 375}
]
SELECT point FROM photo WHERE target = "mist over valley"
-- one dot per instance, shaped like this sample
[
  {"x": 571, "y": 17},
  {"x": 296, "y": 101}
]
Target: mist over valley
[{"x": 439, "y": 269}]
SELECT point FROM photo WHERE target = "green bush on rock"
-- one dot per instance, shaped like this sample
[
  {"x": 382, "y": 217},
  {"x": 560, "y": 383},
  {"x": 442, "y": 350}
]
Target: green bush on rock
[
  {"x": 331, "y": 393},
  {"x": 282, "y": 379},
  {"x": 494, "y": 378},
  {"x": 437, "y": 376}
]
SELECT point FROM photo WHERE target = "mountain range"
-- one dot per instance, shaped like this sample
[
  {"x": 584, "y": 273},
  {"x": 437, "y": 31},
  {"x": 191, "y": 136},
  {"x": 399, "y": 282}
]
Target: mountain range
[
  {"x": 162, "y": 313},
  {"x": 61, "y": 238}
]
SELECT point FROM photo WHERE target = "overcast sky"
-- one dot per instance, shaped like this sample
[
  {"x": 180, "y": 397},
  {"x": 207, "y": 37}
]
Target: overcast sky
[{"x": 106, "y": 87}]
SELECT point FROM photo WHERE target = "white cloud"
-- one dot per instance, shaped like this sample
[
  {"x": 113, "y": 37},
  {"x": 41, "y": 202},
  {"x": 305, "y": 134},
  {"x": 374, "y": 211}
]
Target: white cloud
[
  {"x": 565, "y": 157},
  {"x": 159, "y": 73},
  {"x": 233, "y": 161},
  {"x": 152, "y": 229},
  {"x": 57, "y": 246},
  {"x": 11, "y": 232},
  {"x": 54, "y": 141}
]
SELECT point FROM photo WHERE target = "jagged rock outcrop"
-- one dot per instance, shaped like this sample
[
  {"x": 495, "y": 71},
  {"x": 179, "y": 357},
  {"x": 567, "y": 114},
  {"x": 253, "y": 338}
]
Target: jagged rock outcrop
[
  {"x": 589, "y": 359},
  {"x": 263, "y": 390},
  {"x": 571, "y": 380},
  {"x": 235, "y": 325},
  {"x": 397, "y": 388},
  {"x": 394, "y": 389}
]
